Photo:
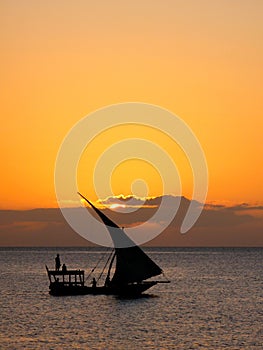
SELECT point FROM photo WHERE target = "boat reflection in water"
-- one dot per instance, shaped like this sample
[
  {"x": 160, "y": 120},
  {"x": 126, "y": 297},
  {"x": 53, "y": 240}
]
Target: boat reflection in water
[{"x": 132, "y": 269}]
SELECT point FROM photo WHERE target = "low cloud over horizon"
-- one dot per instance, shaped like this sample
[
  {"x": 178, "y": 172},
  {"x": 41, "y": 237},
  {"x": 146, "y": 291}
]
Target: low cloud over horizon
[{"x": 219, "y": 225}]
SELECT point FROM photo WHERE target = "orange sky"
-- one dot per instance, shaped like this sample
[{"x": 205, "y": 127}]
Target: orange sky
[{"x": 60, "y": 61}]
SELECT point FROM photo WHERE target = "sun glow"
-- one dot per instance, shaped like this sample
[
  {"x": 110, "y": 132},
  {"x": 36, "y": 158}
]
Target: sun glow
[{"x": 116, "y": 205}]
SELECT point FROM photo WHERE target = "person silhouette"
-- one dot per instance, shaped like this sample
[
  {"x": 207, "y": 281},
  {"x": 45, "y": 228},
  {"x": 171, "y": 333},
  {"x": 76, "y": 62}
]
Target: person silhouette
[
  {"x": 94, "y": 283},
  {"x": 57, "y": 262}
]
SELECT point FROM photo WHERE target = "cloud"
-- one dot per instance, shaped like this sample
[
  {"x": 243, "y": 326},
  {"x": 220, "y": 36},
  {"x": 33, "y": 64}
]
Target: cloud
[
  {"x": 236, "y": 207},
  {"x": 147, "y": 202},
  {"x": 218, "y": 225},
  {"x": 245, "y": 206},
  {"x": 127, "y": 201}
]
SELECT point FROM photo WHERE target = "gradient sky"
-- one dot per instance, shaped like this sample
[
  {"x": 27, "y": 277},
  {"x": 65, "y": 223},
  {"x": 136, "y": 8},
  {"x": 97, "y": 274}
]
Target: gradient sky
[{"x": 202, "y": 60}]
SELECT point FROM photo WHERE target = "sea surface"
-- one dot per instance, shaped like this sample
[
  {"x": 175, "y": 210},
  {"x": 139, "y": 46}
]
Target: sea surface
[{"x": 214, "y": 301}]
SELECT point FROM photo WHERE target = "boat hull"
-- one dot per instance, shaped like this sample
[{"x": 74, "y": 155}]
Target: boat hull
[{"x": 135, "y": 289}]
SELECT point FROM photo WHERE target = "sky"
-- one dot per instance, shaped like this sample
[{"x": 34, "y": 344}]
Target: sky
[{"x": 201, "y": 60}]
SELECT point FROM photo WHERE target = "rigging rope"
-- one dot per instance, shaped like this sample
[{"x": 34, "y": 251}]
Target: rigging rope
[
  {"x": 94, "y": 268},
  {"x": 105, "y": 265}
]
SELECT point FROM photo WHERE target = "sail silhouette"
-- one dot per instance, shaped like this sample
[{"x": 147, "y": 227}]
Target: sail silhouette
[{"x": 132, "y": 264}]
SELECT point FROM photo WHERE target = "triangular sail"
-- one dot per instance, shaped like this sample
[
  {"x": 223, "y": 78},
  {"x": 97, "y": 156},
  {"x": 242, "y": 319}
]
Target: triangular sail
[{"x": 132, "y": 264}]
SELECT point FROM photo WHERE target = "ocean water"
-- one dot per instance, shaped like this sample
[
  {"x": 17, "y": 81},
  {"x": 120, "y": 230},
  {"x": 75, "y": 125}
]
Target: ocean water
[{"x": 214, "y": 301}]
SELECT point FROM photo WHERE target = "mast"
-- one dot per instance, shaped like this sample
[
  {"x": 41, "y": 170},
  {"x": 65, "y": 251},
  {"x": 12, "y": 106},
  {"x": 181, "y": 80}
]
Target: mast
[
  {"x": 132, "y": 264},
  {"x": 109, "y": 269}
]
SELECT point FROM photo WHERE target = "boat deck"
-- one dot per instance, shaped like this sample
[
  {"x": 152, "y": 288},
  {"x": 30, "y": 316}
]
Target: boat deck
[{"x": 66, "y": 277}]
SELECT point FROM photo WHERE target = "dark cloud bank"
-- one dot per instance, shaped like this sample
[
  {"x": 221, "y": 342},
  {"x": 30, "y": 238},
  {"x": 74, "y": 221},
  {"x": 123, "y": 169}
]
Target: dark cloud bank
[{"x": 217, "y": 226}]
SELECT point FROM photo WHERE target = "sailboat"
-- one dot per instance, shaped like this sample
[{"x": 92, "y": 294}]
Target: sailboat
[{"x": 133, "y": 268}]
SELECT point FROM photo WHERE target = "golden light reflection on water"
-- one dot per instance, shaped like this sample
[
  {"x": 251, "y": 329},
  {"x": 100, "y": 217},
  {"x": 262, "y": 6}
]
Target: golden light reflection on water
[{"x": 213, "y": 302}]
